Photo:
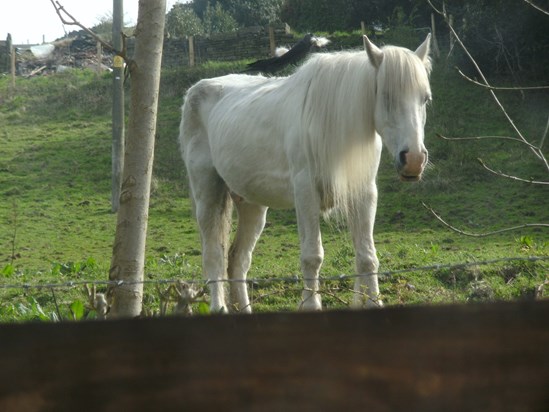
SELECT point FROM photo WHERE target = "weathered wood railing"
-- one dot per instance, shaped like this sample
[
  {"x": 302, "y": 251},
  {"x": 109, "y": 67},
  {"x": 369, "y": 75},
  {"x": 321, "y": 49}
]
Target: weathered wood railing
[{"x": 492, "y": 357}]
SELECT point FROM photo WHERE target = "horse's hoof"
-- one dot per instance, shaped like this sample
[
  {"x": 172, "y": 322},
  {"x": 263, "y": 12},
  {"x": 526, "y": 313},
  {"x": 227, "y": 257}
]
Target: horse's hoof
[
  {"x": 245, "y": 309},
  {"x": 221, "y": 310},
  {"x": 311, "y": 304}
]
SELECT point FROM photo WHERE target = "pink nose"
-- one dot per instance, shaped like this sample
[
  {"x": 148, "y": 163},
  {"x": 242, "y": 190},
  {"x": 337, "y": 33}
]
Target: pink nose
[{"x": 412, "y": 165}]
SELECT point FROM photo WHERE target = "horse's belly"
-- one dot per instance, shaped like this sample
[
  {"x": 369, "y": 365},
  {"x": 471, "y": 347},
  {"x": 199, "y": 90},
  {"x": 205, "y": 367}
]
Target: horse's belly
[
  {"x": 262, "y": 183},
  {"x": 264, "y": 196}
]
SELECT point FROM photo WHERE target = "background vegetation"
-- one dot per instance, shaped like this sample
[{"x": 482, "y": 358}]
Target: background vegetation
[
  {"x": 56, "y": 225},
  {"x": 516, "y": 45}
]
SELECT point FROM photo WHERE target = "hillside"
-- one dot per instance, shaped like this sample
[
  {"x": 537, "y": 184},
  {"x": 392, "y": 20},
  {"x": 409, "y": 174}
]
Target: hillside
[{"x": 56, "y": 225}]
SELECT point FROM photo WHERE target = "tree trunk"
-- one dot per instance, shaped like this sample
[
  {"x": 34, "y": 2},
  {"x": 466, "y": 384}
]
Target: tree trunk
[{"x": 128, "y": 258}]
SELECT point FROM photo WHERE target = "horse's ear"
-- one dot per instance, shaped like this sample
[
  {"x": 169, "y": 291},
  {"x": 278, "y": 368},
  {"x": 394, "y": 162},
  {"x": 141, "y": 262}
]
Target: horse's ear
[
  {"x": 375, "y": 54},
  {"x": 423, "y": 50}
]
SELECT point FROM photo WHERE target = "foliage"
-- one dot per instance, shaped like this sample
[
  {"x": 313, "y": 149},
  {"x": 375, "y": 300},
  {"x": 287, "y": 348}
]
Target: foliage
[
  {"x": 104, "y": 28},
  {"x": 182, "y": 21},
  {"x": 254, "y": 12},
  {"x": 391, "y": 12},
  {"x": 500, "y": 44},
  {"x": 217, "y": 20},
  {"x": 244, "y": 12},
  {"x": 315, "y": 15},
  {"x": 332, "y": 15}
]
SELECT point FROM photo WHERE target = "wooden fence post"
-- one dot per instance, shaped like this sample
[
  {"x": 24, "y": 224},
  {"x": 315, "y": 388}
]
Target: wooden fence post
[
  {"x": 12, "y": 65},
  {"x": 191, "y": 51},
  {"x": 436, "y": 51},
  {"x": 99, "y": 57},
  {"x": 272, "y": 43}
]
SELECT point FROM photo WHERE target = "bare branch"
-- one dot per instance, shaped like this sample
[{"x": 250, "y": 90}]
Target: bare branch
[
  {"x": 537, "y": 7},
  {"x": 441, "y": 12},
  {"x": 487, "y": 86},
  {"x": 61, "y": 12},
  {"x": 518, "y": 179},
  {"x": 495, "y": 232},
  {"x": 536, "y": 152},
  {"x": 515, "y": 139},
  {"x": 328, "y": 292}
]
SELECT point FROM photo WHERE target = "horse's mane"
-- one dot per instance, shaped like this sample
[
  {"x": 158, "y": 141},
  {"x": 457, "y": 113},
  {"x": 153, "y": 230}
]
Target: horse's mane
[{"x": 338, "y": 91}]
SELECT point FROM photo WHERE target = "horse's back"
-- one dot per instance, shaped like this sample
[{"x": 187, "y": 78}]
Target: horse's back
[{"x": 206, "y": 94}]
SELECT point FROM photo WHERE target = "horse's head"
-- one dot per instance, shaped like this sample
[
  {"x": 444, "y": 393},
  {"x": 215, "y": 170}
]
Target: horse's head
[{"x": 402, "y": 93}]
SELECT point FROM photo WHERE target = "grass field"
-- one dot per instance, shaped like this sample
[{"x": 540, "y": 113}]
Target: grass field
[{"x": 56, "y": 225}]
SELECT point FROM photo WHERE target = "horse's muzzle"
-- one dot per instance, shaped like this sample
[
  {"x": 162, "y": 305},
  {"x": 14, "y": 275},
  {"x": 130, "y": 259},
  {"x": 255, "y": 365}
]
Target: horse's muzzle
[{"x": 411, "y": 165}]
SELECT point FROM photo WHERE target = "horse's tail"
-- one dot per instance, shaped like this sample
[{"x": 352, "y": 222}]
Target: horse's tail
[
  {"x": 191, "y": 123},
  {"x": 215, "y": 198}
]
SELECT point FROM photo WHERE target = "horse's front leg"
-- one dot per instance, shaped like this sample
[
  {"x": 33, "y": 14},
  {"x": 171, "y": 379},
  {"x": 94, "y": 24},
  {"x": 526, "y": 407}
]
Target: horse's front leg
[
  {"x": 251, "y": 221},
  {"x": 307, "y": 204},
  {"x": 361, "y": 223}
]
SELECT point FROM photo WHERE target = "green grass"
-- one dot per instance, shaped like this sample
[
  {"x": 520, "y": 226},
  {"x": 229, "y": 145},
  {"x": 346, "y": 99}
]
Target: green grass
[{"x": 56, "y": 225}]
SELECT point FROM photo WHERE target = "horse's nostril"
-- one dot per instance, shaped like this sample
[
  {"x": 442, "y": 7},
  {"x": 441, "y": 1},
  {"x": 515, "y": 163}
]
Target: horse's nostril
[{"x": 402, "y": 157}]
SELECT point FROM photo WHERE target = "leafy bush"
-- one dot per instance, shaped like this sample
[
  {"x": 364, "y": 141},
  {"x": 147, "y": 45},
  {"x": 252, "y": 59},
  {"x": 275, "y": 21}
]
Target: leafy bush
[
  {"x": 182, "y": 21},
  {"x": 217, "y": 20}
]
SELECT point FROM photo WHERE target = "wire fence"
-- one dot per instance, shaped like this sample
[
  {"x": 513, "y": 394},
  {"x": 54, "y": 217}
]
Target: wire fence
[
  {"x": 183, "y": 296},
  {"x": 283, "y": 279}
]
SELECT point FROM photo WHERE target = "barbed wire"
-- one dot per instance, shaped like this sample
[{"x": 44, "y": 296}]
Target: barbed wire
[{"x": 259, "y": 281}]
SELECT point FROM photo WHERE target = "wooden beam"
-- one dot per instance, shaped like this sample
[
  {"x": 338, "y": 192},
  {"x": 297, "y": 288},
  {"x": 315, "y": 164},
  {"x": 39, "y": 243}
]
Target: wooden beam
[{"x": 491, "y": 357}]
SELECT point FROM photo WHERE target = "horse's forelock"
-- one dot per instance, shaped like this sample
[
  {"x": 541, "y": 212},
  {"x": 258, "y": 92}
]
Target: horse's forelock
[{"x": 402, "y": 74}]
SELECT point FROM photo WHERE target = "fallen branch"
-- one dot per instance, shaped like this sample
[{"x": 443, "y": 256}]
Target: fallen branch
[
  {"x": 35, "y": 71},
  {"x": 495, "y": 232}
]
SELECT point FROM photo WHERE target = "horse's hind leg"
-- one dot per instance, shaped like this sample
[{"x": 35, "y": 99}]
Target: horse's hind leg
[
  {"x": 213, "y": 208},
  {"x": 251, "y": 221}
]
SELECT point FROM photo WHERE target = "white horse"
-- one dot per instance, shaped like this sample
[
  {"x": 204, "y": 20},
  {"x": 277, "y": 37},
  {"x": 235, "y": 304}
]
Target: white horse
[{"x": 311, "y": 141}]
